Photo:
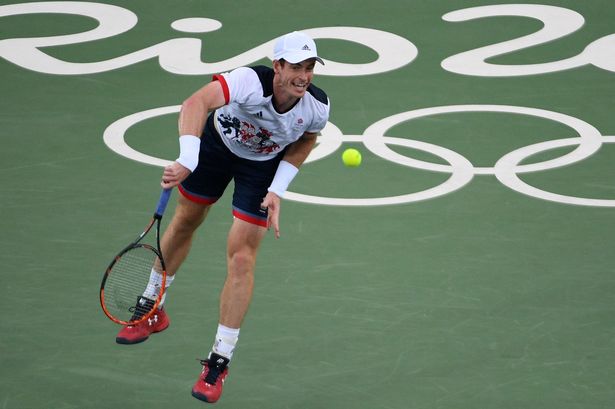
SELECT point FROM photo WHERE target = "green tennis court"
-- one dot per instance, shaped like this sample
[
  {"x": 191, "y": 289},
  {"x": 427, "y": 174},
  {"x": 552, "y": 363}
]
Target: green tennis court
[{"x": 468, "y": 262}]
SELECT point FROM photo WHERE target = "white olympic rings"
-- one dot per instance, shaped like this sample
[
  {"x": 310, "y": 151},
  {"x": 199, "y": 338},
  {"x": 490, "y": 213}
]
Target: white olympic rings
[{"x": 462, "y": 171}]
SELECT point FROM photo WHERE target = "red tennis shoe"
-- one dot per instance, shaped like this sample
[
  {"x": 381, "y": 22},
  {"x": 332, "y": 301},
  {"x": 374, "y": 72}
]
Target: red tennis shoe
[
  {"x": 133, "y": 334},
  {"x": 208, "y": 387}
]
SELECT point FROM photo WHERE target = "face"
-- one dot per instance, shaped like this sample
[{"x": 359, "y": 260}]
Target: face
[{"x": 292, "y": 80}]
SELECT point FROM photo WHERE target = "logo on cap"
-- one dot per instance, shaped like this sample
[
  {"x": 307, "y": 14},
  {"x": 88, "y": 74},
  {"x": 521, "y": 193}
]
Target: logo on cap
[{"x": 295, "y": 47}]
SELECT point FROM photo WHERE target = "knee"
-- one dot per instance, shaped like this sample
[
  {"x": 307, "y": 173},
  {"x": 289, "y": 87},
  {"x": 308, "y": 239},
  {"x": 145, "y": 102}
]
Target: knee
[{"x": 241, "y": 264}]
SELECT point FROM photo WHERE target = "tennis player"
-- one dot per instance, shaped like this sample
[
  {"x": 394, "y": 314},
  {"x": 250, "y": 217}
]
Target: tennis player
[{"x": 256, "y": 126}]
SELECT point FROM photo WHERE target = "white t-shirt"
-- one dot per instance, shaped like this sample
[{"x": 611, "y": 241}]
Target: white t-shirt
[{"x": 249, "y": 124}]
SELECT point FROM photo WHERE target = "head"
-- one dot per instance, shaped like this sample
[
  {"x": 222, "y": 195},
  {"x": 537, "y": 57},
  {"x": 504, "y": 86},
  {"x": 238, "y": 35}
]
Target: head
[{"x": 294, "y": 59}]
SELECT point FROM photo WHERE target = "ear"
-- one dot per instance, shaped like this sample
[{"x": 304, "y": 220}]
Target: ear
[{"x": 277, "y": 66}]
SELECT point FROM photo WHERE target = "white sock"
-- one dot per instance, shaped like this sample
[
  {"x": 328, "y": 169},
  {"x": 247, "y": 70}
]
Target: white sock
[
  {"x": 153, "y": 286},
  {"x": 226, "y": 339}
]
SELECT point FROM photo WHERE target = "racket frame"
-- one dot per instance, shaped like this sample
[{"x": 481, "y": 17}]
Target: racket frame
[{"x": 156, "y": 219}]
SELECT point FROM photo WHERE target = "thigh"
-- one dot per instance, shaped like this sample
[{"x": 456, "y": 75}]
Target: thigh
[
  {"x": 252, "y": 178},
  {"x": 190, "y": 212},
  {"x": 245, "y": 237}
]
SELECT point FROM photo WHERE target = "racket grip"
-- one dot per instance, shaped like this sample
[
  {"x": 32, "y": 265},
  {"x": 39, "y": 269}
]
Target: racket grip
[{"x": 163, "y": 201}]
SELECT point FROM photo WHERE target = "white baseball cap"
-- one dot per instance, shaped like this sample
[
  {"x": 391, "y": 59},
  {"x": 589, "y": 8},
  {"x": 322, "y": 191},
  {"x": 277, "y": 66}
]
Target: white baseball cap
[{"x": 295, "y": 47}]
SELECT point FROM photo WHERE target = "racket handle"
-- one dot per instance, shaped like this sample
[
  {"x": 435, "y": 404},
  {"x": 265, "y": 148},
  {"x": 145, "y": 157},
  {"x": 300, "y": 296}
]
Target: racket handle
[{"x": 163, "y": 201}]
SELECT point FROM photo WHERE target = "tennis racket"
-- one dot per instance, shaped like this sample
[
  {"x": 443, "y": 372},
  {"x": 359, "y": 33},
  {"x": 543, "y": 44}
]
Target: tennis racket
[{"x": 124, "y": 293}]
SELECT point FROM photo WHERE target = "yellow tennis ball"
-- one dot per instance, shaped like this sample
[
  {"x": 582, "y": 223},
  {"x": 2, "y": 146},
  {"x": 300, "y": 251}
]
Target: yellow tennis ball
[{"x": 351, "y": 158}]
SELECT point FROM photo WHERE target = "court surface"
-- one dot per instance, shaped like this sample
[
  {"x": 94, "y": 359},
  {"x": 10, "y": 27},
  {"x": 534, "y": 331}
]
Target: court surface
[{"x": 467, "y": 264}]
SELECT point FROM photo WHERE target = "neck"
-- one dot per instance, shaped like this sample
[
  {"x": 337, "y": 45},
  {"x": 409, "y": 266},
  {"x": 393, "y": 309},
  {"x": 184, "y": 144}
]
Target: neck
[{"x": 283, "y": 101}]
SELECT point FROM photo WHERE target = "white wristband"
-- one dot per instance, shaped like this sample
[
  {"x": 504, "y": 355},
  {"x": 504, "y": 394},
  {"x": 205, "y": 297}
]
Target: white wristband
[
  {"x": 189, "y": 147},
  {"x": 283, "y": 176}
]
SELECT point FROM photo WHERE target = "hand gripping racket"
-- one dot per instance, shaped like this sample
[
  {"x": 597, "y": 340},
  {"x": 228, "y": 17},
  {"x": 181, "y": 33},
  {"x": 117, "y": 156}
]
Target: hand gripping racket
[{"x": 124, "y": 293}]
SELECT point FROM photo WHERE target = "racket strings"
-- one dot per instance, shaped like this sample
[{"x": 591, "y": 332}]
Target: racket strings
[{"x": 127, "y": 282}]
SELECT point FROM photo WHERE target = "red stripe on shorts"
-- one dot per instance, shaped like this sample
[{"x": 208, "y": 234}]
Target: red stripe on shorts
[
  {"x": 249, "y": 218},
  {"x": 197, "y": 199}
]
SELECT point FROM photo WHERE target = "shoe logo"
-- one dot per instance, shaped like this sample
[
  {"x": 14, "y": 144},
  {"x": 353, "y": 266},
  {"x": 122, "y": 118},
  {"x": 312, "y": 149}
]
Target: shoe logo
[
  {"x": 259, "y": 114},
  {"x": 152, "y": 321},
  {"x": 306, "y": 48}
]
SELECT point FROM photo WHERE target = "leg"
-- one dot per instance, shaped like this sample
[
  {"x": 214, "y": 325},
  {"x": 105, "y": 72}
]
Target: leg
[
  {"x": 249, "y": 227},
  {"x": 177, "y": 238},
  {"x": 243, "y": 243}
]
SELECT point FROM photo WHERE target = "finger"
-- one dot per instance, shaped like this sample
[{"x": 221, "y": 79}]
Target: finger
[
  {"x": 167, "y": 176},
  {"x": 276, "y": 225}
]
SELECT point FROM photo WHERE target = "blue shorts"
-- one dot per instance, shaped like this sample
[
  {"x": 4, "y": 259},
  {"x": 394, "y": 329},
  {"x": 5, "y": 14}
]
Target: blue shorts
[{"x": 218, "y": 166}]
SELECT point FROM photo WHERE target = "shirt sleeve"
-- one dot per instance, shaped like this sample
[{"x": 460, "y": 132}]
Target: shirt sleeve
[
  {"x": 321, "y": 116},
  {"x": 240, "y": 86}
]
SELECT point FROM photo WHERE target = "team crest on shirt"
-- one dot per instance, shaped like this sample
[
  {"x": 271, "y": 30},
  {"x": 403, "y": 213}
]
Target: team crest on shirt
[{"x": 243, "y": 133}]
